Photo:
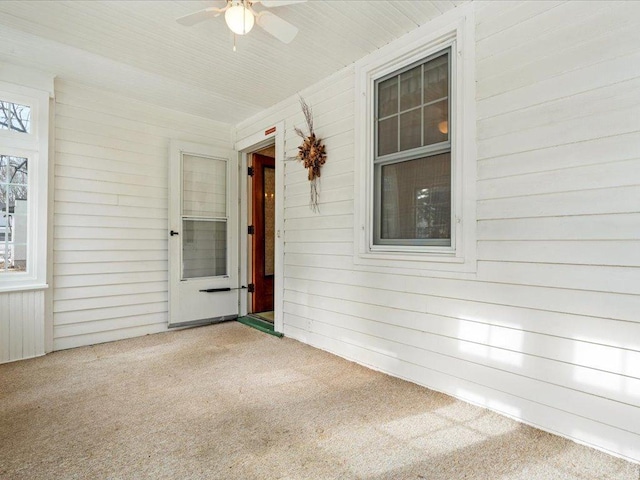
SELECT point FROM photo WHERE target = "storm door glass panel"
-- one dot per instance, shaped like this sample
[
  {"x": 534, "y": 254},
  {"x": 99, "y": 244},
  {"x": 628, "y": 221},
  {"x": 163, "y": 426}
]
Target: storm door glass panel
[
  {"x": 204, "y": 248},
  {"x": 204, "y": 217},
  {"x": 269, "y": 177},
  {"x": 14, "y": 209},
  {"x": 204, "y": 186}
]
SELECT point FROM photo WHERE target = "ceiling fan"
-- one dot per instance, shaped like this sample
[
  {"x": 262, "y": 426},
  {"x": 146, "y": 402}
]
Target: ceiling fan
[{"x": 240, "y": 17}]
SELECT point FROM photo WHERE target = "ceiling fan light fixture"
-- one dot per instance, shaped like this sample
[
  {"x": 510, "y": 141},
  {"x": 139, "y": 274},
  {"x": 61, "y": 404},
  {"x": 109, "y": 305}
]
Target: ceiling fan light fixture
[{"x": 239, "y": 19}]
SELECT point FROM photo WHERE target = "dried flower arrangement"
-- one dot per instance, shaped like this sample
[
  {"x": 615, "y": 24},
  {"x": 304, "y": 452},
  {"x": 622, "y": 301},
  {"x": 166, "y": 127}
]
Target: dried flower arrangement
[{"x": 311, "y": 153}]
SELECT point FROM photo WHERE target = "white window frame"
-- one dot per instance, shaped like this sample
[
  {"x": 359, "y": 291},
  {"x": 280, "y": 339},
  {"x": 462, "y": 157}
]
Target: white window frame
[
  {"x": 407, "y": 155},
  {"x": 455, "y": 30},
  {"x": 34, "y": 146}
]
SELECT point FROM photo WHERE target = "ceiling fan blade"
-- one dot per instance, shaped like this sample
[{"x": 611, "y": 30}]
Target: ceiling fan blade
[
  {"x": 279, "y": 3},
  {"x": 201, "y": 16},
  {"x": 276, "y": 26}
]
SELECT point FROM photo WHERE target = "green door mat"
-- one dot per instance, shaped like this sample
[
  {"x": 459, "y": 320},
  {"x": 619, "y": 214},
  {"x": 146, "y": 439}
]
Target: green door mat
[{"x": 261, "y": 325}]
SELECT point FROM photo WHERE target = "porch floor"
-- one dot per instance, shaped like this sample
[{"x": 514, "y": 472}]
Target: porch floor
[{"x": 229, "y": 402}]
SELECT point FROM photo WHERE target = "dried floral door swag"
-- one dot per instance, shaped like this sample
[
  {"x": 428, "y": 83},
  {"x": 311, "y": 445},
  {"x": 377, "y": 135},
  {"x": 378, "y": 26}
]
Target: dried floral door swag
[{"x": 311, "y": 153}]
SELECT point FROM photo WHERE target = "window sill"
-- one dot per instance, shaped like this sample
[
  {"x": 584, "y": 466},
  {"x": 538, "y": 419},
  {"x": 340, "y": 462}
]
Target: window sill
[
  {"x": 427, "y": 263},
  {"x": 22, "y": 287}
]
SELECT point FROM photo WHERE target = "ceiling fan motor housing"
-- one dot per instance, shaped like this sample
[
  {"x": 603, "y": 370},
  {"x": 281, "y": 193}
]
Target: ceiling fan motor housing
[{"x": 239, "y": 17}]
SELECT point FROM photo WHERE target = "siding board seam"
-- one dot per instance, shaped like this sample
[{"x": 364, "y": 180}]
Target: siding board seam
[
  {"x": 535, "y": 309},
  {"x": 346, "y": 340}
]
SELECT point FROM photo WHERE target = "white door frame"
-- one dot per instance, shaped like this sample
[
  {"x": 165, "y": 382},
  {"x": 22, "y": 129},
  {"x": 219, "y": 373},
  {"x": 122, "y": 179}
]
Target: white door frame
[{"x": 245, "y": 146}]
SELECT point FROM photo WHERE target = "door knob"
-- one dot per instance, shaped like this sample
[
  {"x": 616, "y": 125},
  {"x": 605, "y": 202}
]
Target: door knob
[{"x": 172, "y": 233}]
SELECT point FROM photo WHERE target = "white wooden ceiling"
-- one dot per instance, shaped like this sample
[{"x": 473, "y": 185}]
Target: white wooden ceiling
[{"x": 136, "y": 48}]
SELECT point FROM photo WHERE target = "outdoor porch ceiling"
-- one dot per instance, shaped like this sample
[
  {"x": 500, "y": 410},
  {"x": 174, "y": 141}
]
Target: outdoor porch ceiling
[{"x": 137, "y": 49}]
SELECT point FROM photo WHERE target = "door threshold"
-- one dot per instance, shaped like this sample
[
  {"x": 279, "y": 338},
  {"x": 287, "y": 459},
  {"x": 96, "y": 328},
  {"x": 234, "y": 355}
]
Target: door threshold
[
  {"x": 265, "y": 316},
  {"x": 205, "y": 321},
  {"x": 261, "y": 325}
]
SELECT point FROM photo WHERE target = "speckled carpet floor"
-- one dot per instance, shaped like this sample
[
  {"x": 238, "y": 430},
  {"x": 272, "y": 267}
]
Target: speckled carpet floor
[{"x": 229, "y": 402}]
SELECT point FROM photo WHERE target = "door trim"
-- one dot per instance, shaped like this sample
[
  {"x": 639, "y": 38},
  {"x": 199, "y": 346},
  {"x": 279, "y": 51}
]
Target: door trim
[
  {"x": 262, "y": 298},
  {"x": 272, "y": 134}
]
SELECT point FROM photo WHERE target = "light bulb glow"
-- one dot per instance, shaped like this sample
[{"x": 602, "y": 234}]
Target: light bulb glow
[{"x": 239, "y": 19}]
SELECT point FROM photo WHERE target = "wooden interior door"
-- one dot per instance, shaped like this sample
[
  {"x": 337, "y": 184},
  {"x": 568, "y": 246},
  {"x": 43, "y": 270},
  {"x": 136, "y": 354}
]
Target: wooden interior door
[{"x": 263, "y": 244}]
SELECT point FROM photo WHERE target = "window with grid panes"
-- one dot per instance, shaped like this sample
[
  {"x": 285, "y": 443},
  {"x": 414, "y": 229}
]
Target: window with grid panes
[
  {"x": 412, "y": 159},
  {"x": 14, "y": 187},
  {"x": 24, "y": 132}
]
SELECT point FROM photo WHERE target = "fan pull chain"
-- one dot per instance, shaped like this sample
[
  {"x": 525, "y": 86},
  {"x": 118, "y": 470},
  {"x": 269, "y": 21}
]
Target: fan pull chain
[{"x": 234, "y": 42}]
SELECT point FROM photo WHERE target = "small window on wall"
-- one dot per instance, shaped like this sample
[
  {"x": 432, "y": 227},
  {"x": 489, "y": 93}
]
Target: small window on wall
[
  {"x": 415, "y": 131},
  {"x": 412, "y": 159}
]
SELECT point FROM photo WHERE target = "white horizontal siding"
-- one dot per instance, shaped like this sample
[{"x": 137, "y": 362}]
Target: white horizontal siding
[
  {"x": 110, "y": 213},
  {"x": 548, "y": 329},
  {"x": 21, "y": 325}
]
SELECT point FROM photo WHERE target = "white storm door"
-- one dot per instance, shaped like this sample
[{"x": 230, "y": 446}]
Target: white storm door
[{"x": 203, "y": 234}]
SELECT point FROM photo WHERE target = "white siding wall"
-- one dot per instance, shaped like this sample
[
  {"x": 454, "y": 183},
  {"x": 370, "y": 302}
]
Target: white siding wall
[
  {"x": 548, "y": 330},
  {"x": 21, "y": 325},
  {"x": 110, "y": 213}
]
